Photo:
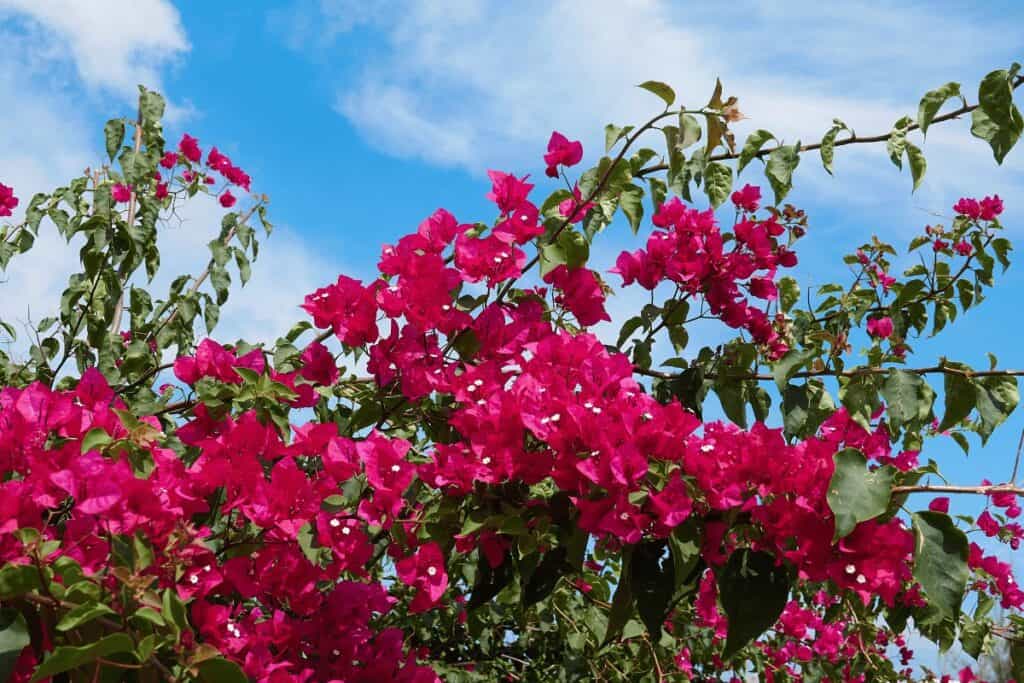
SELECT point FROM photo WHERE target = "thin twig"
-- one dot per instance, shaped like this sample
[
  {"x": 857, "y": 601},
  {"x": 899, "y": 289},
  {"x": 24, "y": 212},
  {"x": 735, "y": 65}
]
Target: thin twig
[
  {"x": 947, "y": 488},
  {"x": 201, "y": 278},
  {"x": 762, "y": 376},
  {"x": 852, "y": 140},
  {"x": 115, "y": 324}
]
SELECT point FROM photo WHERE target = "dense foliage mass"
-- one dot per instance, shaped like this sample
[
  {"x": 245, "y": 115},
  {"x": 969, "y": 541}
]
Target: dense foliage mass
[{"x": 503, "y": 496}]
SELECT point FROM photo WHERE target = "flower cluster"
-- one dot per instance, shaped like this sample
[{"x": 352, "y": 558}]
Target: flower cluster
[
  {"x": 8, "y": 202},
  {"x": 692, "y": 252}
]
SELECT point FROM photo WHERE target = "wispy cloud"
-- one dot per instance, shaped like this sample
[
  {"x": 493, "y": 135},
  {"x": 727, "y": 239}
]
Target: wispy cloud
[
  {"x": 478, "y": 84},
  {"x": 59, "y": 55}
]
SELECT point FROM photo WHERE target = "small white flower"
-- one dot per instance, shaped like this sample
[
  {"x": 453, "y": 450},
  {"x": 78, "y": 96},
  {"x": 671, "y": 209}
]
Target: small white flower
[
  {"x": 335, "y": 523},
  {"x": 850, "y": 569},
  {"x": 431, "y": 571},
  {"x": 346, "y": 531},
  {"x": 194, "y": 579},
  {"x": 396, "y": 468},
  {"x": 486, "y": 460},
  {"x": 861, "y": 579},
  {"x": 207, "y": 568},
  {"x": 707, "y": 448}
]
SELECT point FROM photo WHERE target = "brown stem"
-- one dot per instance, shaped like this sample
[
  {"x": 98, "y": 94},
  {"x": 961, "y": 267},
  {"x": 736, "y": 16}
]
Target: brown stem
[
  {"x": 852, "y": 140},
  {"x": 761, "y": 376},
  {"x": 201, "y": 278},
  {"x": 115, "y": 324},
  {"x": 945, "y": 488},
  {"x": 590, "y": 196}
]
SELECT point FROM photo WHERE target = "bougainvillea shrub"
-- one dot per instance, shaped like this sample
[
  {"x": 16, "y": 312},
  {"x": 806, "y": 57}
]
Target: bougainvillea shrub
[{"x": 443, "y": 473}]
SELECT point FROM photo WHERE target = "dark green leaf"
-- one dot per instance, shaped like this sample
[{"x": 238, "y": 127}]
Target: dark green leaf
[
  {"x": 220, "y": 670},
  {"x": 996, "y": 399},
  {"x": 960, "y": 397},
  {"x": 83, "y": 614},
  {"x": 940, "y": 561},
  {"x": 545, "y": 577},
  {"x": 933, "y": 101},
  {"x": 490, "y": 582},
  {"x": 755, "y": 141},
  {"x": 856, "y": 495},
  {"x": 753, "y": 592},
  {"x": 113, "y": 133},
  {"x": 908, "y": 397},
  {"x": 652, "y": 575},
  {"x": 631, "y": 203},
  {"x": 622, "y": 601},
  {"x": 65, "y": 658},
  {"x": 790, "y": 364},
  {"x": 14, "y": 637},
  {"x": 918, "y": 165},
  {"x": 782, "y": 161}
]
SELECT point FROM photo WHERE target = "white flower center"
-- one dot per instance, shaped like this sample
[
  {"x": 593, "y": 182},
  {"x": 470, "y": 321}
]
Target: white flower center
[
  {"x": 335, "y": 523},
  {"x": 431, "y": 571},
  {"x": 396, "y": 468}
]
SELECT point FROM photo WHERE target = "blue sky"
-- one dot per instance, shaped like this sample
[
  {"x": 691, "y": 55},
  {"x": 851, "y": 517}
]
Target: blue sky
[{"x": 359, "y": 119}]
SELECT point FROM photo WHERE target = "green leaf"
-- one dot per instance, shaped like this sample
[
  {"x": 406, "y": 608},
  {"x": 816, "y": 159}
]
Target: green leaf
[
  {"x": 489, "y": 582},
  {"x": 828, "y": 144},
  {"x": 997, "y": 397},
  {"x": 17, "y": 579},
  {"x": 717, "y": 183},
  {"x": 859, "y": 395},
  {"x": 782, "y": 161},
  {"x": 613, "y": 134},
  {"x": 918, "y": 165},
  {"x": 789, "y": 293},
  {"x": 660, "y": 89},
  {"x": 113, "y": 133},
  {"x": 805, "y": 408},
  {"x": 933, "y": 101},
  {"x": 689, "y": 131},
  {"x": 151, "y": 106},
  {"x": 1001, "y": 138},
  {"x": 908, "y": 397},
  {"x": 754, "y": 142},
  {"x": 631, "y": 203},
  {"x": 753, "y": 592},
  {"x": 788, "y": 365},
  {"x": 65, "y": 658},
  {"x": 570, "y": 249},
  {"x": 960, "y": 396},
  {"x": 652, "y": 575},
  {"x": 940, "y": 561},
  {"x": 856, "y": 495},
  {"x": 95, "y": 439},
  {"x": 545, "y": 577},
  {"x": 83, "y": 614},
  {"x": 220, "y": 670},
  {"x": 14, "y": 637},
  {"x": 622, "y": 601}
]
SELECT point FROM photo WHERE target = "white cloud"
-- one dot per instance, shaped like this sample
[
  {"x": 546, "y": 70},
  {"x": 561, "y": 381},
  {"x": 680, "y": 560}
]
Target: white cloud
[
  {"x": 113, "y": 46},
  {"x": 481, "y": 84},
  {"x": 51, "y": 137}
]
